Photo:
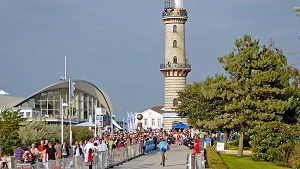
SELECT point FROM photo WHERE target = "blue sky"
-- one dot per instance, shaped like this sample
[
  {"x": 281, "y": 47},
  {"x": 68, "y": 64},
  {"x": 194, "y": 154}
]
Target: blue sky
[{"x": 118, "y": 45}]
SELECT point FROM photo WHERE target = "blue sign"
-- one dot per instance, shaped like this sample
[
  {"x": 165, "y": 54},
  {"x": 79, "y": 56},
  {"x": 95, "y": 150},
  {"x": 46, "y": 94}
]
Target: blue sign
[
  {"x": 99, "y": 121},
  {"x": 149, "y": 146},
  {"x": 207, "y": 140}
]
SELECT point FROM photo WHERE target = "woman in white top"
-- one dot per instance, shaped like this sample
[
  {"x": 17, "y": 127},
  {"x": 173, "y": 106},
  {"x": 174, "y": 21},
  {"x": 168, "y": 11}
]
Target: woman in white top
[{"x": 34, "y": 151}]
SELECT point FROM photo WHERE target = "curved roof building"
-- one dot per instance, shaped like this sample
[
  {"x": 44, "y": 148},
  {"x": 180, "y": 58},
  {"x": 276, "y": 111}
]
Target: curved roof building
[{"x": 46, "y": 102}]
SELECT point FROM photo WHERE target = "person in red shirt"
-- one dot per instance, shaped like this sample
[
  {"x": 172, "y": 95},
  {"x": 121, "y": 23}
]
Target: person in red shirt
[
  {"x": 196, "y": 147},
  {"x": 178, "y": 138},
  {"x": 90, "y": 158},
  {"x": 41, "y": 152}
]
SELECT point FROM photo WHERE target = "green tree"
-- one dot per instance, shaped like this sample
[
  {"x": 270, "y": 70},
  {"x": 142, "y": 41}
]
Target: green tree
[
  {"x": 260, "y": 87},
  {"x": 201, "y": 102},
  {"x": 9, "y": 127},
  {"x": 33, "y": 132},
  {"x": 81, "y": 133}
]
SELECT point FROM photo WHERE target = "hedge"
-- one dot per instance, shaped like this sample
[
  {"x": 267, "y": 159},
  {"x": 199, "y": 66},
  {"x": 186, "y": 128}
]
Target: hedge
[{"x": 213, "y": 159}]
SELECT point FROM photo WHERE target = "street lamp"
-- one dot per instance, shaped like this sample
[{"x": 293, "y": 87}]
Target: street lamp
[{"x": 297, "y": 10}]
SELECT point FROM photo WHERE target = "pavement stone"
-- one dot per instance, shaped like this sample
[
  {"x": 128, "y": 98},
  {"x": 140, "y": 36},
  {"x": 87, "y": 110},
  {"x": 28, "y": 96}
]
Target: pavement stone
[{"x": 176, "y": 159}]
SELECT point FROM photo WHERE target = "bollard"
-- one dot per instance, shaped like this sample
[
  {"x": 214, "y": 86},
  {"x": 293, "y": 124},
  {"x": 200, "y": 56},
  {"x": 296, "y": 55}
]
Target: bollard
[
  {"x": 191, "y": 162},
  {"x": 12, "y": 162}
]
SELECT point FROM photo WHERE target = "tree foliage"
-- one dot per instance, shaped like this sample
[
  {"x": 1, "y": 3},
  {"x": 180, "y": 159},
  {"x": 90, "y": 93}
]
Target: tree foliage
[
  {"x": 201, "y": 102},
  {"x": 81, "y": 133},
  {"x": 33, "y": 132},
  {"x": 9, "y": 127},
  {"x": 275, "y": 142},
  {"x": 260, "y": 87}
]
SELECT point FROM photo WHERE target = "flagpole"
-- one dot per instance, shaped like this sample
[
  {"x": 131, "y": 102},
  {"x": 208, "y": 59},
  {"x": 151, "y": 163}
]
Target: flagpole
[
  {"x": 65, "y": 67},
  {"x": 95, "y": 127},
  {"x": 62, "y": 120},
  {"x": 70, "y": 123},
  {"x": 123, "y": 123}
]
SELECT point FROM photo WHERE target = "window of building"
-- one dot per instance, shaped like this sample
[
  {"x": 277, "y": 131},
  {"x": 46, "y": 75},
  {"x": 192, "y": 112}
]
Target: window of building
[
  {"x": 159, "y": 122},
  {"x": 174, "y": 28},
  {"x": 145, "y": 122},
  {"x": 175, "y": 44},
  {"x": 153, "y": 122},
  {"x": 175, "y": 102},
  {"x": 174, "y": 59},
  {"x": 85, "y": 114}
]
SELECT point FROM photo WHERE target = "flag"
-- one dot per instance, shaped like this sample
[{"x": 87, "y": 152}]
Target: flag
[
  {"x": 71, "y": 89},
  {"x": 133, "y": 119},
  {"x": 128, "y": 121},
  {"x": 62, "y": 78}
]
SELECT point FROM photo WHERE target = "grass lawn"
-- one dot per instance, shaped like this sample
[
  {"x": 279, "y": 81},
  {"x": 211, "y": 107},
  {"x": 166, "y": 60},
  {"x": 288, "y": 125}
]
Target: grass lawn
[
  {"x": 234, "y": 162},
  {"x": 232, "y": 147}
]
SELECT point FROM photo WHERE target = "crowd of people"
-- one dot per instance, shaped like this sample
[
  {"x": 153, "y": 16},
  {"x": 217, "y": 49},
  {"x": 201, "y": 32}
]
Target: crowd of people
[{"x": 85, "y": 149}]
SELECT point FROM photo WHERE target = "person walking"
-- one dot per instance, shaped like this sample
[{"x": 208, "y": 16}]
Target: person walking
[
  {"x": 4, "y": 162},
  {"x": 18, "y": 154},
  {"x": 65, "y": 150},
  {"x": 90, "y": 158},
  {"x": 50, "y": 155}
]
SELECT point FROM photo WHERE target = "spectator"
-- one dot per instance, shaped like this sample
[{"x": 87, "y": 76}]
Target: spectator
[{"x": 18, "y": 154}]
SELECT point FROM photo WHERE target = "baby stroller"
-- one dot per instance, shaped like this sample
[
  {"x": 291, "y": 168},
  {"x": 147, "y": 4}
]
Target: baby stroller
[{"x": 30, "y": 158}]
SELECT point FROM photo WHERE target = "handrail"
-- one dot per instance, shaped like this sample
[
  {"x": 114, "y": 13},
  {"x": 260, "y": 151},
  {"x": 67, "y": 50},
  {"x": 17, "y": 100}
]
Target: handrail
[
  {"x": 173, "y": 13},
  {"x": 175, "y": 66}
]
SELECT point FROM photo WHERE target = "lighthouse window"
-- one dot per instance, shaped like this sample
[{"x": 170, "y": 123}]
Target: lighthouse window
[
  {"x": 174, "y": 28},
  {"x": 175, "y": 44},
  {"x": 174, "y": 59},
  {"x": 175, "y": 102}
]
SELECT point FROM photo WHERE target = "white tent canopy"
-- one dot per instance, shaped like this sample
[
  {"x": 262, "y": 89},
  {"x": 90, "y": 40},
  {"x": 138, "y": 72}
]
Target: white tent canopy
[
  {"x": 91, "y": 124},
  {"x": 86, "y": 124},
  {"x": 116, "y": 124}
]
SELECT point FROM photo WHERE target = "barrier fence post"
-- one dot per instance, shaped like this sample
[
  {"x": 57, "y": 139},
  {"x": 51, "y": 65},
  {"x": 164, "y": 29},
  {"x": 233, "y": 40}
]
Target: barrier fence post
[{"x": 191, "y": 162}]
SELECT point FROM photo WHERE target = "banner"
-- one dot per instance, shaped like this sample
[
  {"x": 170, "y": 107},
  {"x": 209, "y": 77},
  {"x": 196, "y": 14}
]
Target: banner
[
  {"x": 99, "y": 121},
  {"x": 133, "y": 120},
  {"x": 129, "y": 126}
]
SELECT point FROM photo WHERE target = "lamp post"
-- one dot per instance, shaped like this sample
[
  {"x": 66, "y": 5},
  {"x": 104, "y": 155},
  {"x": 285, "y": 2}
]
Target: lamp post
[
  {"x": 139, "y": 124},
  {"x": 297, "y": 10},
  {"x": 62, "y": 105}
]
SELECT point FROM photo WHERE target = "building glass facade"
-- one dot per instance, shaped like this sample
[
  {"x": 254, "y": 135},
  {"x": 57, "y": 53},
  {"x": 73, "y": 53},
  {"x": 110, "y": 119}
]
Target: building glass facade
[{"x": 81, "y": 108}]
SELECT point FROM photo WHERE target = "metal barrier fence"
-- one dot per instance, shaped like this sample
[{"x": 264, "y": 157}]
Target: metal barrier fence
[
  {"x": 101, "y": 160},
  {"x": 197, "y": 162}
]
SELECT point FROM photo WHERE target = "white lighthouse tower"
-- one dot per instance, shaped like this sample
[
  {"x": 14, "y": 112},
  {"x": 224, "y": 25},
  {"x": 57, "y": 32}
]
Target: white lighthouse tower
[{"x": 176, "y": 66}]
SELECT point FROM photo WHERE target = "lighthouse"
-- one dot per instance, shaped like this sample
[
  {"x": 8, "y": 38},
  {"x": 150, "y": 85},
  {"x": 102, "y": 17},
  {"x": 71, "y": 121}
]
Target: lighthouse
[{"x": 176, "y": 66}]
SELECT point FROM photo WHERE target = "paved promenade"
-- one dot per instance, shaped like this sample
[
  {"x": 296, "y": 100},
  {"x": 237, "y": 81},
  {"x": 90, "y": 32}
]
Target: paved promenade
[{"x": 176, "y": 159}]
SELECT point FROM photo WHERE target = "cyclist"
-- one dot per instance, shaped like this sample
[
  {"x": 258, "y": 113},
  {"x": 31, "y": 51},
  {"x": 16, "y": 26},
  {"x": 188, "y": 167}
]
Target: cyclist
[{"x": 163, "y": 147}]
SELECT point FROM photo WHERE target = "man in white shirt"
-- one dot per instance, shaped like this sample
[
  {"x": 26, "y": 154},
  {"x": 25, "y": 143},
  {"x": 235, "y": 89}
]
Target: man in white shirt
[{"x": 89, "y": 145}]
